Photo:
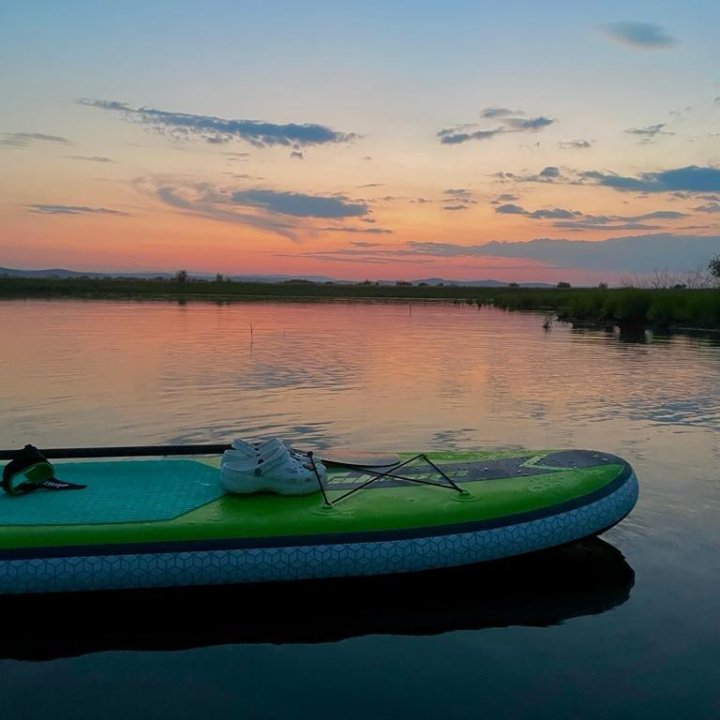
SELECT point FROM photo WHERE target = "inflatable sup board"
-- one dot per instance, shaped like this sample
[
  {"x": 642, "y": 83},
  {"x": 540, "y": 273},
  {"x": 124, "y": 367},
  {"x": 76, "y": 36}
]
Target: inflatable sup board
[{"x": 152, "y": 522}]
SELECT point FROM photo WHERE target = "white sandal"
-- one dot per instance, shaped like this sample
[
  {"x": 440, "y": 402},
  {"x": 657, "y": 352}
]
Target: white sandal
[
  {"x": 240, "y": 449},
  {"x": 272, "y": 469},
  {"x": 243, "y": 450}
]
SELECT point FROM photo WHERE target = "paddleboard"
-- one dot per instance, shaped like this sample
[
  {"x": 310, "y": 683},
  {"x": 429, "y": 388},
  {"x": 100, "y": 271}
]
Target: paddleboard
[{"x": 164, "y": 521}]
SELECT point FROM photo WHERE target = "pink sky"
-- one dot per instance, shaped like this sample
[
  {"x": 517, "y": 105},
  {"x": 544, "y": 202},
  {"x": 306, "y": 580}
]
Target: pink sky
[{"x": 359, "y": 160}]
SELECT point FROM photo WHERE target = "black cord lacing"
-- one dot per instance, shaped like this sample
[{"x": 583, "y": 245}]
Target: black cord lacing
[
  {"x": 317, "y": 476},
  {"x": 380, "y": 474}
]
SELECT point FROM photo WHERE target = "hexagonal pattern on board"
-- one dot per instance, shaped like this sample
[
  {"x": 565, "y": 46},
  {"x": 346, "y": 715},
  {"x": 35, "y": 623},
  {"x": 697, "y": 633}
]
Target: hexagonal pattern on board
[{"x": 207, "y": 567}]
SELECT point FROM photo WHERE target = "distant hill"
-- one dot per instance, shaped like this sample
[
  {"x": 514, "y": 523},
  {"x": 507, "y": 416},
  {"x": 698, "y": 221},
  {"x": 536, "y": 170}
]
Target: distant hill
[
  {"x": 53, "y": 272},
  {"x": 476, "y": 283},
  {"x": 63, "y": 273},
  {"x": 270, "y": 278},
  {"x": 282, "y": 278}
]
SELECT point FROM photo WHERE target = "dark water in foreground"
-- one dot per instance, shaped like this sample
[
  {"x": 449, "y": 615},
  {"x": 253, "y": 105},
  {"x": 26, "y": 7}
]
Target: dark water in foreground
[{"x": 625, "y": 628}]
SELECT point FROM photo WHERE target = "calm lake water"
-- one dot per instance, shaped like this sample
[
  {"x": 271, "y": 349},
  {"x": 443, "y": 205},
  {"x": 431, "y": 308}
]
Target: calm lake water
[{"x": 553, "y": 638}]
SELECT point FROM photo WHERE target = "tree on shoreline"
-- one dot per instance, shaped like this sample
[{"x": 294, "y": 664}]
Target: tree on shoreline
[{"x": 714, "y": 267}]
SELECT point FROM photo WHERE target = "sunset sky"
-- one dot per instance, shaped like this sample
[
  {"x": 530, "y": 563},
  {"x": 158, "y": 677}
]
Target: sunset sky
[{"x": 516, "y": 140}]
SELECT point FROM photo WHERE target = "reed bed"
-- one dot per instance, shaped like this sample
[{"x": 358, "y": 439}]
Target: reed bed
[{"x": 633, "y": 308}]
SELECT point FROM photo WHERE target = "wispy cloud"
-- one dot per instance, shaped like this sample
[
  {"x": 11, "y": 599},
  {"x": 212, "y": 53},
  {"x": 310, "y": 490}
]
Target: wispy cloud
[
  {"x": 682, "y": 113},
  {"x": 91, "y": 158},
  {"x": 711, "y": 207},
  {"x": 639, "y": 35},
  {"x": 453, "y": 136},
  {"x": 618, "y": 222},
  {"x": 504, "y": 198},
  {"x": 22, "y": 139},
  {"x": 575, "y": 144},
  {"x": 690, "y": 180},
  {"x": 72, "y": 210},
  {"x": 299, "y": 204},
  {"x": 281, "y": 212},
  {"x": 458, "y": 199},
  {"x": 546, "y": 214},
  {"x": 523, "y": 124},
  {"x": 204, "y": 200},
  {"x": 649, "y": 133},
  {"x": 360, "y": 255},
  {"x": 462, "y": 194},
  {"x": 243, "y": 176},
  {"x": 578, "y": 225},
  {"x": 498, "y": 112},
  {"x": 351, "y": 230},
  {"x": 511, "y": 121},
  {"x": 622, "y": 254},
  {"x": 548, "y": 174},
  {"x": 627, "y": 254},
  {"x": 384, "y": 256},
  {"x": 215, "y": 130},
  {"x": 577, "y": 220}
]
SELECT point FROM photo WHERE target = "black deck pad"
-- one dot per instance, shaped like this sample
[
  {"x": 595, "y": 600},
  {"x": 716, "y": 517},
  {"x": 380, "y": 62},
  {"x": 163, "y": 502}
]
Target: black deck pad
[{"x": 484, "y": 469}]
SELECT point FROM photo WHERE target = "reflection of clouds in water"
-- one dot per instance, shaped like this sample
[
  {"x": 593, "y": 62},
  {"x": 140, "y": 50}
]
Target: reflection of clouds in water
[
  {"x": 314, "y": 435},
  {"x": 698, "y": 411},
  {"x": 671, "y": 381},
  {"x": 452, "y": 439},
  {"x": 369, "y": 375},
  {"x": 271, "y": 363},
  {"x": 537, "y": 411},
  {"x": 329, "y": 378}
]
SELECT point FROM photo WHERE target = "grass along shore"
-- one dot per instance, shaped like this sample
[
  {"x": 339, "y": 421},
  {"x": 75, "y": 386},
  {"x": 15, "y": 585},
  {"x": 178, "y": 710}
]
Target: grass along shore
[{"x": 629, "y": 308}]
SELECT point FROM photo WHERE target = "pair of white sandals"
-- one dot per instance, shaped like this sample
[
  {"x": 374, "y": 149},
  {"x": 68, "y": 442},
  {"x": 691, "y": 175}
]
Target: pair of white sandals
[{"x": 269, "y": 466}]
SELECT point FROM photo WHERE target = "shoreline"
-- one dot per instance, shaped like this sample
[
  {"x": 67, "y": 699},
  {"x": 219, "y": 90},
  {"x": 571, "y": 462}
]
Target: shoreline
[{"x": 631, "y": 309}]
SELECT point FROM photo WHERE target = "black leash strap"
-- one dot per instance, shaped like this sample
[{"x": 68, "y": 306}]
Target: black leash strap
[
  {"x": 30, "y": 470},
  {"x": 53, "y": 484}
]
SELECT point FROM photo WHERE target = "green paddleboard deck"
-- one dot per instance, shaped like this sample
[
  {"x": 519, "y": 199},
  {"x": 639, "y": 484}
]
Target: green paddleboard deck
[{"x": 158, "y": 500}]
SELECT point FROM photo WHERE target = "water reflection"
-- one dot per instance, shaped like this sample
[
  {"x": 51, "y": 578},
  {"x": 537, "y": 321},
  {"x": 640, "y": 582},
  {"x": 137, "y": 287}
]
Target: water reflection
[
  {"x": 372, "y": 375},
  {"x": 637, "y": 336},
  {"x": 429, "y": 376},
  {"x": 349, "y": 373},
  {"x": 538, "y": 590}
]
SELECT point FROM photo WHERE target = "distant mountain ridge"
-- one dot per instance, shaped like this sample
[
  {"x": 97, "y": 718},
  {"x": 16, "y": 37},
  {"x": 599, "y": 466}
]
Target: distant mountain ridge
[
  {"x": 477, "y": 283},
  {"x": 270, "y": 278},
  {"x": 53, "y": 272},
  {"x": 64, "y": 273}
]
